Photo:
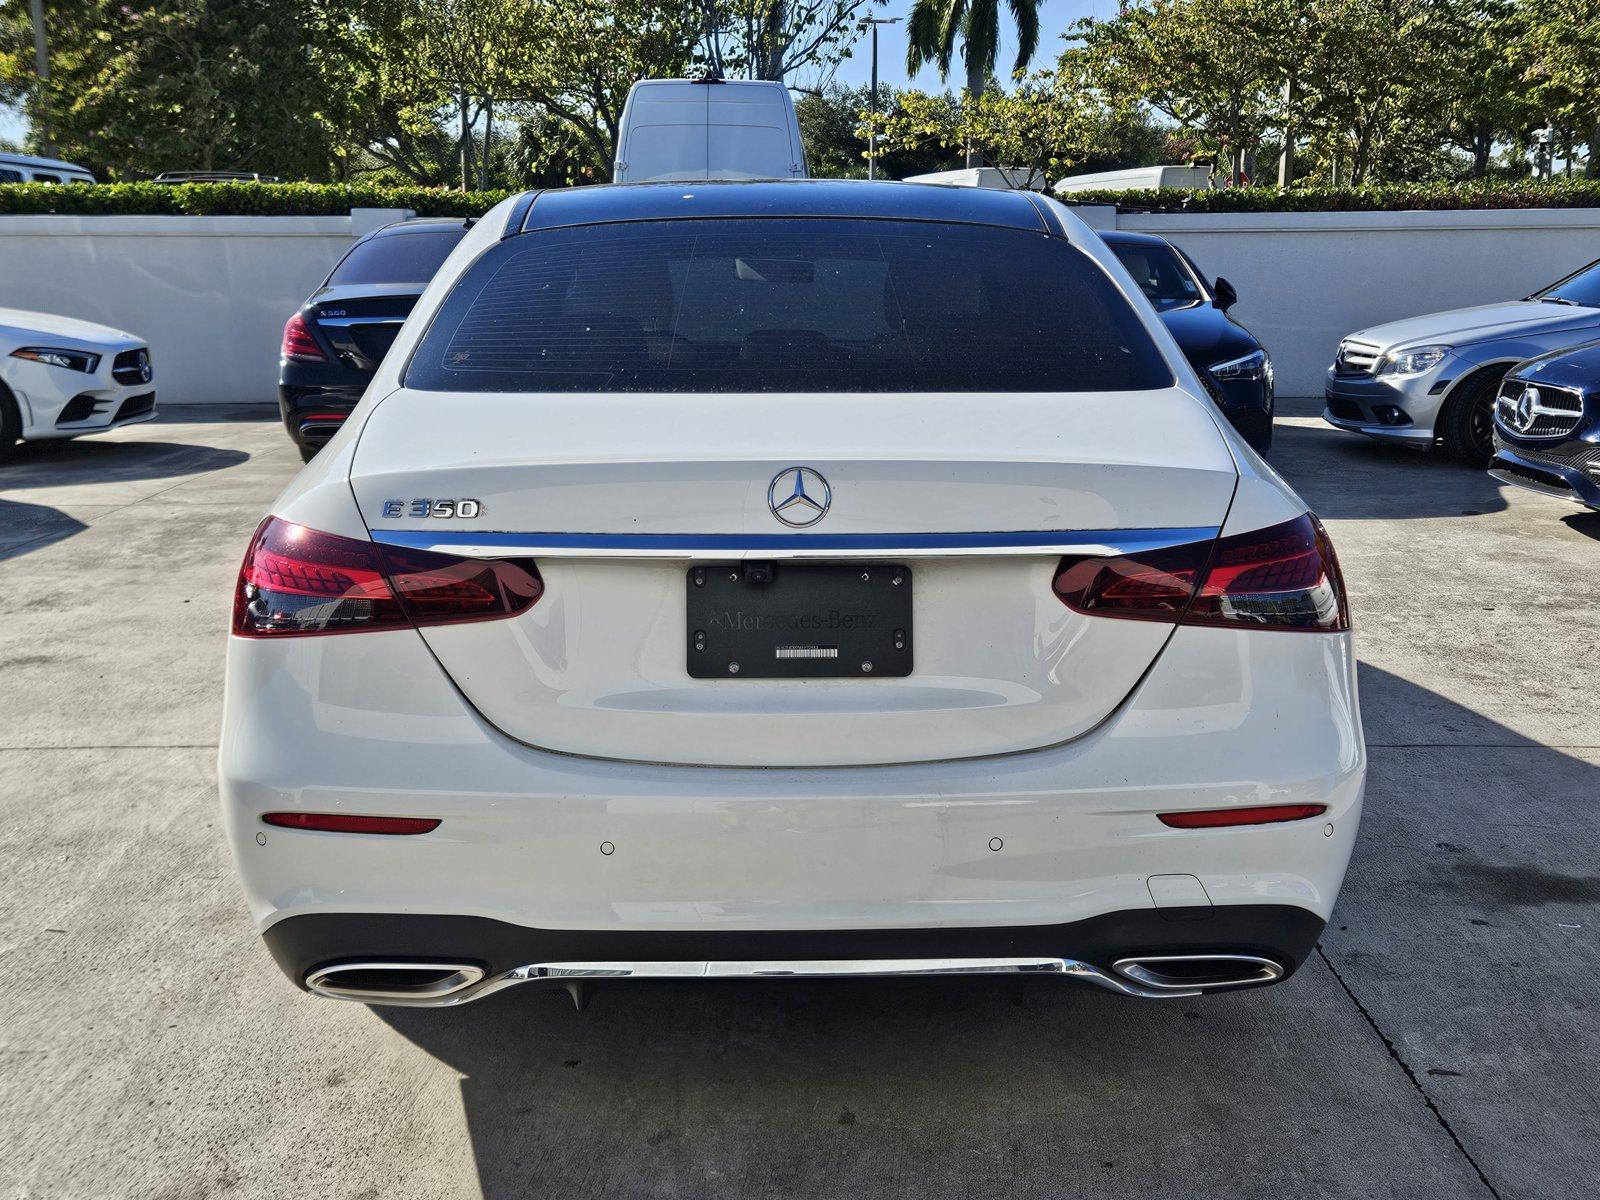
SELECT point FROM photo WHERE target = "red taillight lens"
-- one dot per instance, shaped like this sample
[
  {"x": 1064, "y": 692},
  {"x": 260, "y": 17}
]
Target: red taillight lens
[
  {"x": 1283, "y": 577},
  {"x": 350, "y": 823},
  {"x": 1219, "y": 818},
  {"x": 1151, "y": 587},
  {"x": 296, "y": 580},
  {"x": 299, "y": 342}
]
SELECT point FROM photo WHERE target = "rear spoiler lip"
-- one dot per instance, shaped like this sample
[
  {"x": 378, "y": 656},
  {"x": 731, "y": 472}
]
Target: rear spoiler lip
[{"x": 724, "y": 546}]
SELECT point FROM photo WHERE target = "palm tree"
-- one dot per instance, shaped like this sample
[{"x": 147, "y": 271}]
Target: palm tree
[{"x": 935, "y": 25}]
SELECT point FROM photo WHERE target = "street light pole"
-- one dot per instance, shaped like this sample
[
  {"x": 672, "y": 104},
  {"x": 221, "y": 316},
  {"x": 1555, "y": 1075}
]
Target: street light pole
[
  {"x": 41, "y": 66},
  {"x": 872, "y": 129}
]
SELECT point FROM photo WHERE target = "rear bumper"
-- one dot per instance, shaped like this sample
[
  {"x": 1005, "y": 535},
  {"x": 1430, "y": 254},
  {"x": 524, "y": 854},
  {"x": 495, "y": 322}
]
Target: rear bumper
[
  {"x": 496, "y": 954},
  {"x": 542, "y": 845},
  {"x": 313, "y": 414}
]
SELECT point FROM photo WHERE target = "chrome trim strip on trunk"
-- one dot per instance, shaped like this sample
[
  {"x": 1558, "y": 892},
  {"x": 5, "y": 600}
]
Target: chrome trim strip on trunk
[
  {"x": 567, "y": 972},
  {"x": 690, "y": 546}
]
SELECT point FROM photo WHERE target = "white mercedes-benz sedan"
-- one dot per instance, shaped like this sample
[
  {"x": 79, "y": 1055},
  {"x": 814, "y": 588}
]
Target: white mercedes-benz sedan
[
  {"x": 61, "y": 378},
  {"x": 805, "y": 578}
]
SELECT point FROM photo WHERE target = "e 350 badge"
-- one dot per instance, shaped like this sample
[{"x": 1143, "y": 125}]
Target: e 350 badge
[{"x": 465, "y": 509}]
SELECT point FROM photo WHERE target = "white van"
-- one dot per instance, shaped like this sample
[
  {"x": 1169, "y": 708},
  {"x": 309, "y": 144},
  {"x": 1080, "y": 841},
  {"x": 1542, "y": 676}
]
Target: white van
[
  {"x": 25, "y": 168},
  {"x": 1136, "y": 177},
  {"x": 708, "y": 129}
]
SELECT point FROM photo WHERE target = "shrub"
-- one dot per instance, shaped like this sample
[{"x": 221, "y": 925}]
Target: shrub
[
  {"x": 239, "y": 199},
  {"x": 1388, "y": 197}
]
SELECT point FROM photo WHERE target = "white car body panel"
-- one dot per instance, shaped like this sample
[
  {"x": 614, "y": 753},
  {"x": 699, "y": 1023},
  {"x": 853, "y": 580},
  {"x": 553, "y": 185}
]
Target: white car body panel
[{"x": 41, "y": 391}]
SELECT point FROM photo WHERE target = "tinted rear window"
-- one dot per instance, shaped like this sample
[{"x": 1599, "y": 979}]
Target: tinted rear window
[
  {"x": 397, "y": 257},
  {"x": 785, "y": 306}
]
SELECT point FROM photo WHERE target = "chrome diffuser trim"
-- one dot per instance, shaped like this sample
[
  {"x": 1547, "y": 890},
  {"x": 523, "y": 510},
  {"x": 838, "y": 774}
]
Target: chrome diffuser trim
[
  {"x": 1145, "y": 970},
  {"x": 566, "y": 972}
]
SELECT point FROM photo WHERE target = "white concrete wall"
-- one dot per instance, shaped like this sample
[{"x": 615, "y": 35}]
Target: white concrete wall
[
  {"x": 1307, "y": 279},
  {"x": 210, "y": 294}
]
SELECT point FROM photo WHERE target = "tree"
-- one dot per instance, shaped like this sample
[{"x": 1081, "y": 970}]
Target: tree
[
  {"x": 1558, "y": 58},
  {"x": 936, "y": 24},
  {"x": 833, "y": 126},
  {"x": 779, "y": 39},
  {"x": 207, "y": 84}
]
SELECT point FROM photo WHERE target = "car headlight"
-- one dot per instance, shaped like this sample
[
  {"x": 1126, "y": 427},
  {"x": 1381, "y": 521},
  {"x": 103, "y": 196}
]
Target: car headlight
[
  {"x": 1414, "y": 361},
  {"x": 1254, "y": 365},
  {"x": 71, "y": 360}
]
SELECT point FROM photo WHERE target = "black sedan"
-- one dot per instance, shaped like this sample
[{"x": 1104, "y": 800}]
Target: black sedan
[
  {"x": 333, "y": 345},
  {"x": 1547, "y": 425},
  {"x": 1230, "y": 362}
]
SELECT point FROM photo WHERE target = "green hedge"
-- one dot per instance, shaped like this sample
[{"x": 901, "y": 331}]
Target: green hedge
[
  {"x": 1389, "y": 197},
  {"x": 239, "y": 199},
  {"x": 336, "y": 199}
]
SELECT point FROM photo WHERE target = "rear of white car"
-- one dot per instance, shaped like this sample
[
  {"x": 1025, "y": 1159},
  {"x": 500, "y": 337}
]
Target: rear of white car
[{"x": 797, "y": 579}]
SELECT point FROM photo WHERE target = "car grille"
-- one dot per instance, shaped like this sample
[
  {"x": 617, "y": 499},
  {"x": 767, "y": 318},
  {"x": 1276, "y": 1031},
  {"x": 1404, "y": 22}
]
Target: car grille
[
  {"x": 1345, "y": 410},
  {"x": 1581, "y": 456},
  {"x": 1551, "y": 413},
  {"x": 1356, "y": 358},
  {"x": 132, "y": 366},
  {"x": 137, "y": 406}
]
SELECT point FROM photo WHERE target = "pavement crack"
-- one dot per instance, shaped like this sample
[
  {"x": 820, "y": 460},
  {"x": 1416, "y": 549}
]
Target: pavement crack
[{"x": 1394, "y": 1053}]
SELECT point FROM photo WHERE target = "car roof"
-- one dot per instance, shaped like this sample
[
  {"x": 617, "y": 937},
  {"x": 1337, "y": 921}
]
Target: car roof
[
  {"x": 1121, "y": 237},
  {"x": 33, "y": 160},
  {"x": 603, "y": 203},
  {"x": 425, "y": 225}
]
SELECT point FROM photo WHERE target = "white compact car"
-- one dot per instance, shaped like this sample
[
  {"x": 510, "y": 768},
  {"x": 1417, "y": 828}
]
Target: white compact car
[
  {"x": 787, "y": 579},
  {"x": 61, "y": 377}
]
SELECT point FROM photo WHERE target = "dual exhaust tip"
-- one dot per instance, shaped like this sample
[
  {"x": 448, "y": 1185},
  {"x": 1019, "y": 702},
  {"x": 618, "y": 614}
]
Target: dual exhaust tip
[{"x": 441, "y": 984}]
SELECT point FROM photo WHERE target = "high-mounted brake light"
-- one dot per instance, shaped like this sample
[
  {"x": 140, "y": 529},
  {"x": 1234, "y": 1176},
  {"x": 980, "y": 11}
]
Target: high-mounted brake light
[
  {"x": 1283, "y": 577},
  {"x": 299, "y": 342},
  {"x": 296, "y": 580},
  {"x": 350, "y": 823},
  {"x": 1220, "y": 818}
]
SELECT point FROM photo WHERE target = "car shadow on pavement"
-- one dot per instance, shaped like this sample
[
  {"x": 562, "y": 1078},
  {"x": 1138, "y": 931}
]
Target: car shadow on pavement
[
  {"x": 1467, "y": 861},
  {"x": 1586, "y": 523},
  {"x": 26, "y": 527},
  {"x": 1344, "y": 476}
]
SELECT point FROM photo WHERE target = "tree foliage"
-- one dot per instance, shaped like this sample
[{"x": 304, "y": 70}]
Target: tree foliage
[{"x": 797, "y": 41}]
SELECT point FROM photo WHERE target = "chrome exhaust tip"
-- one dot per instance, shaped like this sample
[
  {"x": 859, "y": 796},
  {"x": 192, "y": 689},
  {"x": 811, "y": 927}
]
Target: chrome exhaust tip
[
  {"x": 1197, "y": 972},
  {"x": 419, "y": 983}
]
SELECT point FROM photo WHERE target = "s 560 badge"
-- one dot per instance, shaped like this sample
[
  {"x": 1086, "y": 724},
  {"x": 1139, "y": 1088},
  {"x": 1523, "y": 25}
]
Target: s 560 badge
[{"x": 466, "y": 509}]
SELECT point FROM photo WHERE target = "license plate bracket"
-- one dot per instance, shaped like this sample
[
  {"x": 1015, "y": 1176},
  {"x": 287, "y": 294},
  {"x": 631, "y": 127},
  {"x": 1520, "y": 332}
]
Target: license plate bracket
[{"x": 798, "y": 620}]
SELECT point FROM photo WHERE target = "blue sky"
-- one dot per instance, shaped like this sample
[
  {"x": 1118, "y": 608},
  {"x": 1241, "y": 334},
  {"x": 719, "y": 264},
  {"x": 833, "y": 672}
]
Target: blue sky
[{"x": 1056, "y": 16}]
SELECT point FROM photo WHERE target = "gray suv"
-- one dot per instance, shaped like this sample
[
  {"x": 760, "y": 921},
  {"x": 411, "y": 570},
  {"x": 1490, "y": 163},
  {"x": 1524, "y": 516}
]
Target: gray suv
[{"x": 1432, "y": 380}]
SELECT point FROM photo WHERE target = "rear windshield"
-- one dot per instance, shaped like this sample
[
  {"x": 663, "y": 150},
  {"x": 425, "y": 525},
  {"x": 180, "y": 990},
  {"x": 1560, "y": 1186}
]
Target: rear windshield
[
  {"x": 774, "y": 305},
  {"x": 397, "y": 257}
]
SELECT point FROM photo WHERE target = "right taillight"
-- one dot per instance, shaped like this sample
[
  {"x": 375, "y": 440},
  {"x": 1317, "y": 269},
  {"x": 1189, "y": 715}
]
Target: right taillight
[
  {"x": 1283, "y": 577},
  {"x": 299, "y": 342},
  {"x": 296, "y": 580}
]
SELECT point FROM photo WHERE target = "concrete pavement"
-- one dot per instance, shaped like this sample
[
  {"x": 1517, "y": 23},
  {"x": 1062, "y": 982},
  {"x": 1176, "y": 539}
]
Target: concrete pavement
[{"x": 1442, "y": 1043}]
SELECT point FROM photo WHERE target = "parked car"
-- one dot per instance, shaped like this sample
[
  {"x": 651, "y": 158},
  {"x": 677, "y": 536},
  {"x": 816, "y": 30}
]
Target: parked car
[
  {"x": 1432, "y": 380},
  {"x": 214, "y": 177},
  {"x": 28, "y": 168},
  {"x": 1231, "y": 363},
  {"x": 335, "y": 342},
  {"x": 1547, "y": 425},
  {"x": 686, "y": 129},
  {"x": 787, "y": 579},
  {"x": 61, "y": 378}
]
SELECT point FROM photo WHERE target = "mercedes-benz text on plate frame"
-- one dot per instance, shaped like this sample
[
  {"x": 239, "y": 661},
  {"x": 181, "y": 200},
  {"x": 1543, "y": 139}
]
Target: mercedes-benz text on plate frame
[
  {"x": 786, "y": 580},
  {"x": 799, "y": 496}
]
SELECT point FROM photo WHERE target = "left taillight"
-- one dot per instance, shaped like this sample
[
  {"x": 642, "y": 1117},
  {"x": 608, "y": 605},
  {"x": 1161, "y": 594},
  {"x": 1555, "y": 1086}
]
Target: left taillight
[
  {"x": 1282, "y": 577},
  {"x": 296, "y": 580},
  {"x": 299, "y": 342}
]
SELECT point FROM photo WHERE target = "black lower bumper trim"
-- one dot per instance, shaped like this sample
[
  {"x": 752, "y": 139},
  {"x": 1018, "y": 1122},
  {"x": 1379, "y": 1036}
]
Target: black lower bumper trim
[{"x": 1283, "y": 932}]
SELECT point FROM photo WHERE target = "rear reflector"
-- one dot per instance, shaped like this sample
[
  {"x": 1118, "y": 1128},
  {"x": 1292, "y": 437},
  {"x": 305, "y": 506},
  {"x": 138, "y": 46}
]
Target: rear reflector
[
  {"x": 350, "y": 823},
  {"x": 1217, "y": 818},
  {"x": 296, "y": 580},
  {"x": 1282, "y": 577}
]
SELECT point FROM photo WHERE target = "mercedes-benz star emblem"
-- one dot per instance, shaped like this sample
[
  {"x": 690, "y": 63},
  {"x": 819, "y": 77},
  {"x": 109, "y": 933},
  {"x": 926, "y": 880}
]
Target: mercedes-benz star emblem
[
  {"x": 799, "y": 496},
  {"x": 1527, "y": 410}
]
